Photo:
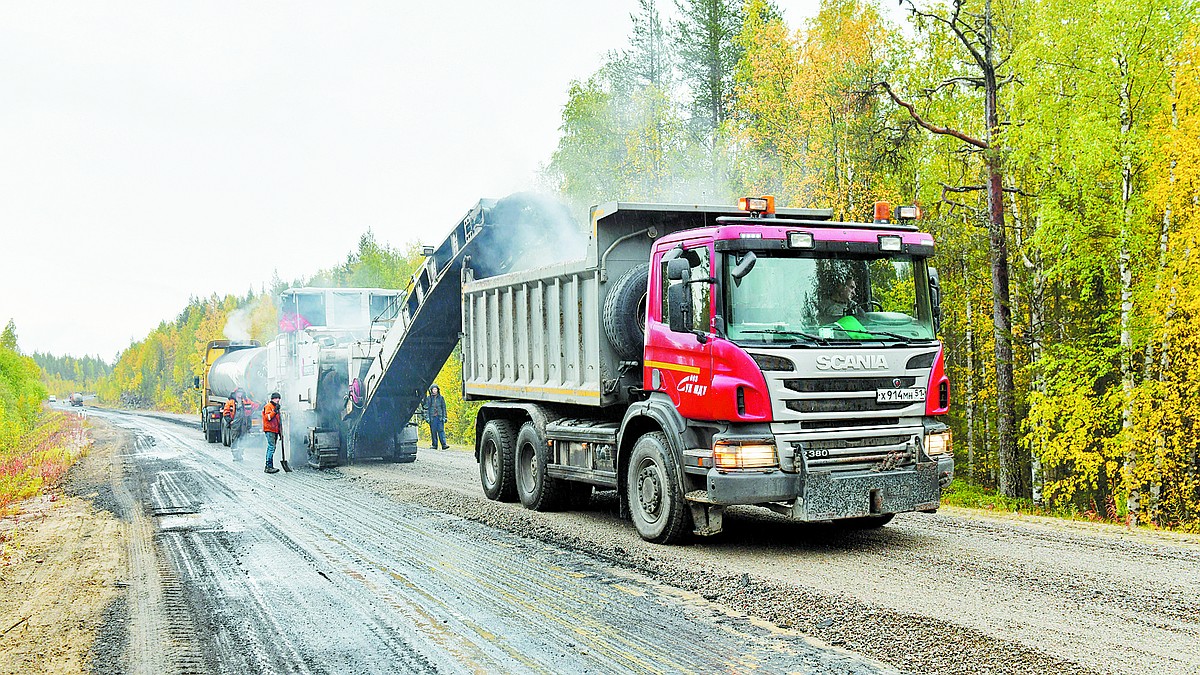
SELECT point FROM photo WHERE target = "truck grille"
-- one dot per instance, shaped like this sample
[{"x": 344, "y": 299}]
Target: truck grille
[
  {"x": 862, "y": 422},
  {"x": 823, "y": 385},
  {"x": 871, "y": 453},
  {"x": 828, "y": 405}
]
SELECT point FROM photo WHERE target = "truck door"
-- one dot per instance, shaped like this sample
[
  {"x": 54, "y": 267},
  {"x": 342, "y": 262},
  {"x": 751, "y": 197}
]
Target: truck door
[{"x": 680, "y": 364}]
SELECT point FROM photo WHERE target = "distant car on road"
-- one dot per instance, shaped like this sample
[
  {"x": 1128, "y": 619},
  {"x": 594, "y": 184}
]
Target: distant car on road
[
  {"x": 77, "y": 399},
  {"x": 53, "y": 398}
]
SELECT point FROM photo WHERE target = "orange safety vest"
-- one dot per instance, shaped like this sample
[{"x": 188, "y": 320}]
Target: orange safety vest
[
  {"x": 227, "y": 411},
  {"x": 271, "y": 417},
  {"x": 248, "y": 406}
]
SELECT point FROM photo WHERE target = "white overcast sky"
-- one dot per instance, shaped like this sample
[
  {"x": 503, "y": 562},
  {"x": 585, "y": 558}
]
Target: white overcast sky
[{"x": 153, "y": 151}]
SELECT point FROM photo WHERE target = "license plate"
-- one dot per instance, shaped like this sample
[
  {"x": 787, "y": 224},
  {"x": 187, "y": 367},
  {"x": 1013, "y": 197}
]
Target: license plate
[{"x": 893, "y": 395}]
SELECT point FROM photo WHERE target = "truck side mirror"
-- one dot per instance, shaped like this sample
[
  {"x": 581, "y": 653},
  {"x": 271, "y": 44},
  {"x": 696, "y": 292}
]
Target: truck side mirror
[
  {"x": 679, "y": 308},
  {"x": 935, "y": 298}
]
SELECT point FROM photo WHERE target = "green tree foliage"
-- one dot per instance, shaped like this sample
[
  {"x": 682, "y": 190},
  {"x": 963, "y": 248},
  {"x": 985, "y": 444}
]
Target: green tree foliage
[
  {"x": 708, "y": 48},
  {"x": 63, "y": 375},
  {"x": 8, "y": 338},
  {"x": 21, "y": 391}
]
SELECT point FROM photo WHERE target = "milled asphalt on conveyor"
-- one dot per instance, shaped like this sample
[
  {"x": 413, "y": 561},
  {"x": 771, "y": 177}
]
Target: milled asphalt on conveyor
[{"x": 307, "y": 573}]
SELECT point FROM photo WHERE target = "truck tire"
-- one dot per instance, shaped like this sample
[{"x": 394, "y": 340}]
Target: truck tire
[
  {"x": 497, "y": 447},
  {"x": 652, "y": 490},
  {"x": 624, "y": 315},
  {"x": 536, "y": 490}
]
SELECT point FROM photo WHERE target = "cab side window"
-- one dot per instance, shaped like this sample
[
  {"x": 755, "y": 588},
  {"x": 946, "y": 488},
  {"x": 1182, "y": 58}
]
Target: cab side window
[{"x": 699, "y": 262}]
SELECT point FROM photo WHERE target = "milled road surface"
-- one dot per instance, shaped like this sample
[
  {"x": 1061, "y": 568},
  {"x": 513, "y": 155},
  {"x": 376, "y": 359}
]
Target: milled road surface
[{"x": 236, "y": 571}]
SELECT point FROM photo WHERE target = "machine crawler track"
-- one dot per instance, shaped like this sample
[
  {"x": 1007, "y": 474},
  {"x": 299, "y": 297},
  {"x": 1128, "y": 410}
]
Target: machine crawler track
[{"x": 324, "y": 458}]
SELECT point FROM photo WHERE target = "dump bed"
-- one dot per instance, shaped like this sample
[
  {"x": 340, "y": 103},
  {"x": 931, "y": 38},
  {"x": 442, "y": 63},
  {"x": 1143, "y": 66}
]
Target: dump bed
[
  {"x": 536, "y": 336},
  {"x": 539, "y": 334}
]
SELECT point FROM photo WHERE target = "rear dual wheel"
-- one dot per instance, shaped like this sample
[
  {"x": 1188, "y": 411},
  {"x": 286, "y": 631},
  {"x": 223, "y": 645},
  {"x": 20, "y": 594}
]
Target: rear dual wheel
[
  {"x": 497, "y": 446},
  {"x": 536, "y": 489}
]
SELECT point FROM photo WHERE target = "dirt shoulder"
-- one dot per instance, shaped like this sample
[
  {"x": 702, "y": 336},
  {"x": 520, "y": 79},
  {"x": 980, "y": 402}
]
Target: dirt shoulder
[{"x": 61, "y": 571}]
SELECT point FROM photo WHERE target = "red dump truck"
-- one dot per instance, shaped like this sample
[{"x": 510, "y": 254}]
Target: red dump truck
[{"x": 702, "y": 357}]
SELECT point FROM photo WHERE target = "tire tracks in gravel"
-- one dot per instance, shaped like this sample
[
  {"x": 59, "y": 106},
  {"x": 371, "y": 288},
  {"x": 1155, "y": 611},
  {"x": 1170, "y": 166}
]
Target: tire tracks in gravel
[
  {"x": 279, "y": 569},
  {"x": 161, "y": 634}
]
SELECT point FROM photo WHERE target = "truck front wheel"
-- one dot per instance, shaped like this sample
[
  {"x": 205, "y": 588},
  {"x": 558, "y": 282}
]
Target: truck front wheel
[
  {"x": 497, "y": 445},
  {"x": 536, "y": 490},
  {"x": 655, "y": 500}
]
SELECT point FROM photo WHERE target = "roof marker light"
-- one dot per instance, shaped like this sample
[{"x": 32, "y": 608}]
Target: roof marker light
[
  {"x": 757, "y": 205},
  {"x": 883, "y": 212},
  {"x": 889, "y": 243}
]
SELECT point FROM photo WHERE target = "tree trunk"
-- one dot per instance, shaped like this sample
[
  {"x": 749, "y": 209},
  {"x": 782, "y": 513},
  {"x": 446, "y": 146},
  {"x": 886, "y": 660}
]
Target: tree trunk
[
  {"x": 1125, "y": 272},
  {"x": 1013, "y": 470},
  {"x": 970, "y": 380},
  {"x": 1036, "y": 323}
]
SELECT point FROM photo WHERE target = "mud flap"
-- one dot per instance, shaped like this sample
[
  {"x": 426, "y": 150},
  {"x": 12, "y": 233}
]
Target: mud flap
[{"x": 707, "y": 518}]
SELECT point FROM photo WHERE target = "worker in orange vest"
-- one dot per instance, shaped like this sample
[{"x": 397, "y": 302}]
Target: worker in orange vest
[
  {"x": 270, "y": 422},
  {"x": 227, "y": 412}
]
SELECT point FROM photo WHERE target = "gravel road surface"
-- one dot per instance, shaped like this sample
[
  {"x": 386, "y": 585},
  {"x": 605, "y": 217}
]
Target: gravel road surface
[
  {"x": 236, "y": 571},
  {"x": 954, "y": 592}
]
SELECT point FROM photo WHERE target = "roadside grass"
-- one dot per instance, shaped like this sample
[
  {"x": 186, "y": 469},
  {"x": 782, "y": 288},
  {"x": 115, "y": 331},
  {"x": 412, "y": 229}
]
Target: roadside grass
[
  {"x": 40, "y": 458},
  {"x": 964, "y": 495},
  {"x": 961, "y": 493}
]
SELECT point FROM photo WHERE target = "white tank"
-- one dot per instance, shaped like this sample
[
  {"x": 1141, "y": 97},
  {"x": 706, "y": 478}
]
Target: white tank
[{"x": 245, "y": 369}]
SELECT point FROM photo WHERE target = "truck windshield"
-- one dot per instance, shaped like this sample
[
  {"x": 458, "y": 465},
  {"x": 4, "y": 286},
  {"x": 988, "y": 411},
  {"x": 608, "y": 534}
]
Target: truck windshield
[{"x": 827, "y": 297}]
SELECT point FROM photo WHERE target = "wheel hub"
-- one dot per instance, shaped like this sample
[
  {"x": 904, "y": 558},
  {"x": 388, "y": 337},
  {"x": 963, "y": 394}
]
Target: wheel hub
[
  {"x": 649, "y": 491},
  {"x": 491, "y": 464}
]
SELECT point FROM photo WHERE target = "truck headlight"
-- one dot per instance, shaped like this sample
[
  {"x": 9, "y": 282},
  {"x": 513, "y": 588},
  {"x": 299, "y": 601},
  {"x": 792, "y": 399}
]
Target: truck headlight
[
  {"x": 749, "y": 455},
  {"x": 938, "y": 444}
]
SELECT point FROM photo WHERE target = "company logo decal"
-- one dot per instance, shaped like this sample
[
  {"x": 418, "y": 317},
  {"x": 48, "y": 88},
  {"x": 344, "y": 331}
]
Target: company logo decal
[
  {"x": 852, "y": 362},
  {"x": 688, "y": 385}
]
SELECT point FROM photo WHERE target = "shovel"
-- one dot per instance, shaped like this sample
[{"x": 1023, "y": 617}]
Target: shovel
[{"x": 283, "y": 456}]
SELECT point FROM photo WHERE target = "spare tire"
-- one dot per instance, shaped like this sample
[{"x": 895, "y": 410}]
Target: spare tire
[{"x": 624, "y": 314}]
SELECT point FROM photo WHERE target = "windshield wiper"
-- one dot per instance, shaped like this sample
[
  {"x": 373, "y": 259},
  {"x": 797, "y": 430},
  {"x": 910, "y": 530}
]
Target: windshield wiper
[
  {"x": 896, "y": 336},
  {"x": 777, "y": 331}
]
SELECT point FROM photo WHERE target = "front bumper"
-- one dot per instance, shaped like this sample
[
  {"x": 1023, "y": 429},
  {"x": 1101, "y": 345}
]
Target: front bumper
[{"x": 828, "y": 496}]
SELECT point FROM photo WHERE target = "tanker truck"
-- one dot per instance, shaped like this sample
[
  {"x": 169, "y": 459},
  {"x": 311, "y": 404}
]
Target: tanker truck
[
  {"x": 701, "y": 357},
  {"x": 228, "y": 365}
]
